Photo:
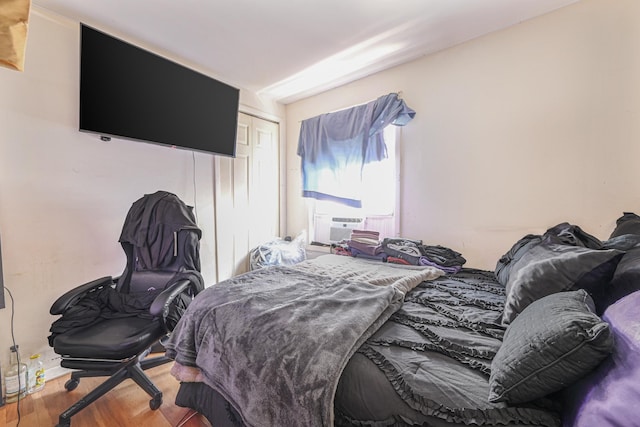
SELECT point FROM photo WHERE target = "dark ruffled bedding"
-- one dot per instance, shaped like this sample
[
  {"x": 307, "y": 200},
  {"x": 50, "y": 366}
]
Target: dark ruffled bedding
[{"x": 430, "y": 363}]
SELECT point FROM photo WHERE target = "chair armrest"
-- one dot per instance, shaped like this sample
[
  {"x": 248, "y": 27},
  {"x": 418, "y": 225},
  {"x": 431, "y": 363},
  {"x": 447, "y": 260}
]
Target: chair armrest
[
  {"x": 74, "y": 295},
  {"x": 169, "y": 305},
  {"x": 161, "y": 304}
]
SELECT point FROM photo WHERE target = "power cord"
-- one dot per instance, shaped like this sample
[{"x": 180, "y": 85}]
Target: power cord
[
  {"x": 195, "y": 192},
  {"x": 13, "y": 340},
  {"x": 187, "y": 417}
]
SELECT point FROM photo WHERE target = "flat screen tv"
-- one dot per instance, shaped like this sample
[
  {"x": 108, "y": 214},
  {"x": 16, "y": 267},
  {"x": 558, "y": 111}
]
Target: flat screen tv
[{"x": 128, "y": 92}]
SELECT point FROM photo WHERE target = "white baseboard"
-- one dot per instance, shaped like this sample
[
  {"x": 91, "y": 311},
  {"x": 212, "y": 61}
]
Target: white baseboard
[{"x": 55, "y": 372}]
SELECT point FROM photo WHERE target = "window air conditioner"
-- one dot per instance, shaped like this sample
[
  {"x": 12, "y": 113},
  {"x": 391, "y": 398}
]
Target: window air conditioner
[{"x": 340, "y": 228}]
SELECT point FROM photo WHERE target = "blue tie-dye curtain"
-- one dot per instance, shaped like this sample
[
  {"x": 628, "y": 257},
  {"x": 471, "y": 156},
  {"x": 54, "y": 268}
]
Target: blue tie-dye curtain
[{"x": 334, "y": 147}]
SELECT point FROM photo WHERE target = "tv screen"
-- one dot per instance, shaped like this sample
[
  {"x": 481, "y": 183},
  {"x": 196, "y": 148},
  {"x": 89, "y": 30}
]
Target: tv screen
[{"x": 128, "y": 92}]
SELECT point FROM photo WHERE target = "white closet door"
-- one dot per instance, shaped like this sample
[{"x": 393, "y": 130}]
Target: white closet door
[{"x": 247, "y": 195}]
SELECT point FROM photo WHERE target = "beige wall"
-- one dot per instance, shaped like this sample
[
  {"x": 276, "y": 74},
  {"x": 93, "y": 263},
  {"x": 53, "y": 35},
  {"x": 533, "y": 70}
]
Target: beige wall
[
  {"x": 64, "y": 194},
  {"x": 515, "y": 131}
]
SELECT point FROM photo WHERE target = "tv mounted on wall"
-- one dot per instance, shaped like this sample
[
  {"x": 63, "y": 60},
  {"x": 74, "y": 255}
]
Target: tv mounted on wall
[{"x": 128, "y": 92}]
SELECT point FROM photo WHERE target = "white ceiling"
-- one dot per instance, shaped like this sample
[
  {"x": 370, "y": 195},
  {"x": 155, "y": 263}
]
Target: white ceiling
[{"x": 290, "y": 49}]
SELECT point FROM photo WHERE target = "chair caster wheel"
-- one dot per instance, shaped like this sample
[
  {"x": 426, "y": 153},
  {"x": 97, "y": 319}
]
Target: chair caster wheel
[
  {"x": 66, "y": 424},
  {"x": 71, "y": 385},
  {"x": 155, "y": 403}
]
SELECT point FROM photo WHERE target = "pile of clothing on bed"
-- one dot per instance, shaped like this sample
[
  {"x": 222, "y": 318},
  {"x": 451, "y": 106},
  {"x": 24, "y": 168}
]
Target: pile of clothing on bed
[{"x": 367, "y": 244}]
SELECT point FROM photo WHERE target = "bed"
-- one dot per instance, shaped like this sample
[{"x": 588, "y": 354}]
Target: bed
[{"x": 349, "y": 342}]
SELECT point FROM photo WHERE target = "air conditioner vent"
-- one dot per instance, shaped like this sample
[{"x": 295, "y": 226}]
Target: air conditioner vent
[{"x": 347, "y": 220}]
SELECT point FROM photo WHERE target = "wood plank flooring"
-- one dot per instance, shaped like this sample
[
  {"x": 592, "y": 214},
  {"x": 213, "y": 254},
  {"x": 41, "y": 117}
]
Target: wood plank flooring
[{"x": 124, "y": 406}]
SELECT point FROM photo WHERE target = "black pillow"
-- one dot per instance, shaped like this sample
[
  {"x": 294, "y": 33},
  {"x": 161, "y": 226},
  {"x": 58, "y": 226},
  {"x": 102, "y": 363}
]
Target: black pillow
[
  {"x": 625, "y": 281},
  {"x": 628, "y": 223},
  {"x": 550, "y": 267},
  {"x": 554, "y": 342}
]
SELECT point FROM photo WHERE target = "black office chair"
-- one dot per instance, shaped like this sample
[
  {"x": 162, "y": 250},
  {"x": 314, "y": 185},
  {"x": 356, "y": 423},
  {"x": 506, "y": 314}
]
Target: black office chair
[{"x": 109, "y": 326}]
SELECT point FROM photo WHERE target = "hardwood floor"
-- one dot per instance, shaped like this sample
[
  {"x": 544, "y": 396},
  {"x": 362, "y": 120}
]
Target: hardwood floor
[{"x": 126, "y": 405}]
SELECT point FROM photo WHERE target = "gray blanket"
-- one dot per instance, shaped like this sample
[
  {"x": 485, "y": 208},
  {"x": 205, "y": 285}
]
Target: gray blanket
[{"x": 275, "y": 341}]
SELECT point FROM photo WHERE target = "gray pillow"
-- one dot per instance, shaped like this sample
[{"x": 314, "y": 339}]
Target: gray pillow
[
  {"x": 548, "y": 268},
  {"x": 554, "y": 342}
]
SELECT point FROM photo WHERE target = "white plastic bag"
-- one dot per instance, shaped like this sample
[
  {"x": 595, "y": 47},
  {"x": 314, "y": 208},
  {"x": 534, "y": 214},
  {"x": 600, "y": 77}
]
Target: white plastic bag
[{"x": 279, "y": 251}]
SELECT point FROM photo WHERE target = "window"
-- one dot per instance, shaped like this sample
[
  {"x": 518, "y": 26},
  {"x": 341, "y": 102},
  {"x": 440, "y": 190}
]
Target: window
[
  {"x": 346, "y": 160},
  {"x": 331, "y": 221}
]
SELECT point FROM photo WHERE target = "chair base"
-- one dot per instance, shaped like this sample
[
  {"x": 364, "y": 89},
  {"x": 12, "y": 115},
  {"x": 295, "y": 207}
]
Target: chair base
[{"x": 118, "y": 372}]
